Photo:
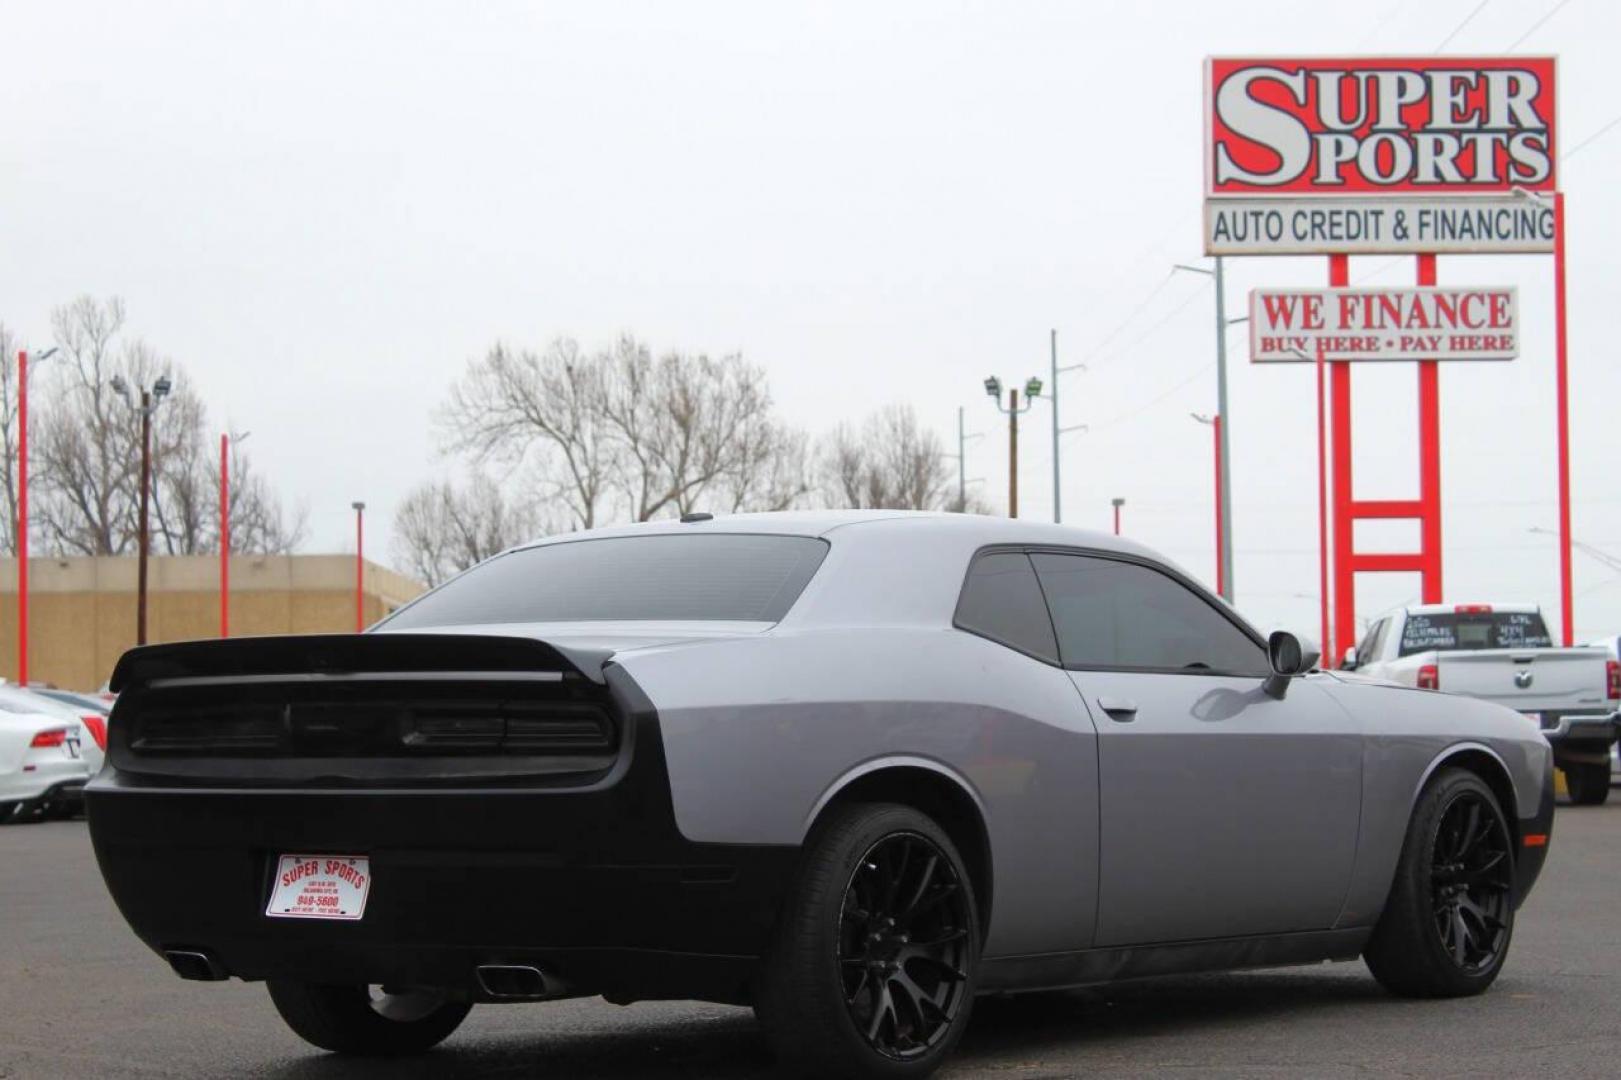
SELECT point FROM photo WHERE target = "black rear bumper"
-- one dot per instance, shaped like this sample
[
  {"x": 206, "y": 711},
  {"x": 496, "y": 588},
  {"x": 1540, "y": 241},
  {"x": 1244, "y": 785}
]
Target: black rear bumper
[{"x": 593, "y": 884}]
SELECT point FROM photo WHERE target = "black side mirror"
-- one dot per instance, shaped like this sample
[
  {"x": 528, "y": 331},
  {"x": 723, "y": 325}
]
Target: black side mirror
[{"x": 1289, "y": 656}]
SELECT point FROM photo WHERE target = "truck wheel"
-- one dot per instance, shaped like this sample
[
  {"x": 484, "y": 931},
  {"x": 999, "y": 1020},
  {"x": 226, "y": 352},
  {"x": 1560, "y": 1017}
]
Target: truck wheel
[
  {"x": 872, "y": 971},
  {"x": 367, "y": 1020},
  {"x": 1589, "y": 784},
  {"x": 1446, "y": 927}
]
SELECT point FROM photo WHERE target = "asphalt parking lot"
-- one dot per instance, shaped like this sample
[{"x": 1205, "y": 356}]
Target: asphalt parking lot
[{"x": 79, "y": 996}]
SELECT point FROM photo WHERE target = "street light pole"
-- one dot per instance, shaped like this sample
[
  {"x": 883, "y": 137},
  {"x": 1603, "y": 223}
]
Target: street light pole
[
  {"x": 145, "y": 541},
  {"x": 360, "y": 565},
  {"x": 1032, "y": 390},
  {"x": 1117, "y": 502},
  {"x": 149, "y": 401},
  {"x": 22, "y": 509}
]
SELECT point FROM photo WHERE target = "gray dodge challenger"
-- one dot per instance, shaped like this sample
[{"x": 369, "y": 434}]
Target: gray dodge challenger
[{"x": 852, "y": 769}]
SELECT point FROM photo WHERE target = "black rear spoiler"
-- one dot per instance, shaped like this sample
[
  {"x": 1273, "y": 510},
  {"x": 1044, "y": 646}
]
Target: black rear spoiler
[{"x": 347, "y": 654}]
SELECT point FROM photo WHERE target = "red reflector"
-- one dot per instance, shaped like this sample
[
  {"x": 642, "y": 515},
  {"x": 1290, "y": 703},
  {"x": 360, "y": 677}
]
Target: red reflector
[
  {"x": 47, "y": 739},
  {"x": 1535, "y": 839},
  {"x": 98, "y": 728},
  {"x": 1612, "y": 679},
  {"x": 1429, "y": 677},
  {"x": 1473, "y": 609}
]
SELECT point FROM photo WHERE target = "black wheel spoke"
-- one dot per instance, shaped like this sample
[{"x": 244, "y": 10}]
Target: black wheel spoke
[
  {"x": 905, "y": 946},
  {"x": 1471, "y": 882}
]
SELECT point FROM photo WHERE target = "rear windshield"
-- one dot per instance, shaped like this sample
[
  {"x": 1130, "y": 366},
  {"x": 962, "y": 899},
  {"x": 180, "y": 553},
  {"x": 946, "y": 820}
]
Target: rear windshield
[
  {"x": 714, "y": 577},
  {"x": 1474, "y": 630}
]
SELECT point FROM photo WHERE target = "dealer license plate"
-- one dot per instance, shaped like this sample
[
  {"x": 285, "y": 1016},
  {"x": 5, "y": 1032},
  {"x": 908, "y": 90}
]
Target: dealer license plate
[{"x": 320, "y": 887}]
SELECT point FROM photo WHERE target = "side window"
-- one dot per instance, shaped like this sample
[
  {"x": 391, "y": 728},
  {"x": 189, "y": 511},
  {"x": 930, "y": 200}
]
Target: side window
[
  {"x": 1001, "y": 600},
  {"x": 1114, "y": 614},
  {"x": 1367, "y": 649}
]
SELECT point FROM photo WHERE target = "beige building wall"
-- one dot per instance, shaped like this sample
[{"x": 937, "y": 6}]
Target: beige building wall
[{"x": 81, "y": 610}]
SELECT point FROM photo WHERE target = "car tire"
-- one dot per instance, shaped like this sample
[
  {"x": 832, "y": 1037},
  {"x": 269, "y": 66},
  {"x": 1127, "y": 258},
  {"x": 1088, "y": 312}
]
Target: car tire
[
  {"x": 7, "y": 809},
  {"x": 872, "y": 970},
  {"x": 362, "y": 1020},
  {"x": 1588, "y": 784},
  {"x": 1448, "y": 922}
]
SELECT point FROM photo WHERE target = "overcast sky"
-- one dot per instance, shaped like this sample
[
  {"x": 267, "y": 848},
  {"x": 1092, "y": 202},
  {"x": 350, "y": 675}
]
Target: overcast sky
[{"x": 325, "y": 210}]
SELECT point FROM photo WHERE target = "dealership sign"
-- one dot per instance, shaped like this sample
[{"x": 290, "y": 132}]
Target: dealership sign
[
  {"x": 1379, "y": 155},
  {"x": 1466, "y": 323}
]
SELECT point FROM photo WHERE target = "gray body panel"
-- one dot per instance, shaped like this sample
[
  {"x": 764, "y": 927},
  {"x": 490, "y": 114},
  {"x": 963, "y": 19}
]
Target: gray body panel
[{"x": 1218, "y": 812}]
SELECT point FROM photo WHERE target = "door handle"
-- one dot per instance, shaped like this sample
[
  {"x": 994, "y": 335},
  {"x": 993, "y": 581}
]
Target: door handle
[{"x": 1119, "y": 709}]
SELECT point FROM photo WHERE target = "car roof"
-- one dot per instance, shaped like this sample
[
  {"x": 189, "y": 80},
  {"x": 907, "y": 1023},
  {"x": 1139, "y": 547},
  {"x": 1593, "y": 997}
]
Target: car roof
[
  {"x": 854, "y": 524},
  {"x": 1452, "y": 609}
]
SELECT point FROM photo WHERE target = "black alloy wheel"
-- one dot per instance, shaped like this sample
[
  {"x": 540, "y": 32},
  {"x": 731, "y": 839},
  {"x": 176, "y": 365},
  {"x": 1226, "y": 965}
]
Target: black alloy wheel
[
  {"x": 872, "y": 971},
  {"x": 904, "y": 945},
  {"x": 1472, "y": 882},
  {"x": 1449, "y": 918}
]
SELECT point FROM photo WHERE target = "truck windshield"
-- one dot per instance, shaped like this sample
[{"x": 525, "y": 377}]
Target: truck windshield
[
  {"x": 1452, "y": 631},
  {"x": 710, "y": 577}
]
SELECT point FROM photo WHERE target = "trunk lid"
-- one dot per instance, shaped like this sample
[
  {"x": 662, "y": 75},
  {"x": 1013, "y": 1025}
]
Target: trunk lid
[{"x": 1529, "y": 680}]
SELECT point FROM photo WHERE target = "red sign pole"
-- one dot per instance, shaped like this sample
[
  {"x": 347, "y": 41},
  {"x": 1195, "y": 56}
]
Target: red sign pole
[
  {"x": 22, "y": 518},
  {"x": 1322, "y": 510},
  {"x": 225, "y": 535},
  {"x": 1567, "y": 615},
  {"x": 1344, "y": 590},
  {"x": 1429, "y": 461}
]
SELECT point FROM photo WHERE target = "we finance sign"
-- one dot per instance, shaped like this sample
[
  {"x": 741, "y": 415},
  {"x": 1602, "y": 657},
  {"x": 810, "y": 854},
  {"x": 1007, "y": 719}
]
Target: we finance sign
[
  {"x": 1365, "y": 155},
  {"x": 1471, "y": 323}
]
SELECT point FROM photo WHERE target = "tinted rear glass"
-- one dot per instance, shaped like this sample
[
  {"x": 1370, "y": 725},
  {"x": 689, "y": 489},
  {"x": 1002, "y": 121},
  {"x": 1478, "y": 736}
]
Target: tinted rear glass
[
  {"x": 1453, "y": 631},
  {"x": 1001, "y": 600},
  {"x": 713, "y": 577}
]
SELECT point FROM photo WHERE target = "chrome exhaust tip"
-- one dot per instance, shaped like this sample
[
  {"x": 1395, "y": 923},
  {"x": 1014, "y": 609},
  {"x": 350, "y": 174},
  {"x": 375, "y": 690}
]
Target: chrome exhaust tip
[
  {"x": 515, "y": 982},
  {"x": 195, "y": 965}
]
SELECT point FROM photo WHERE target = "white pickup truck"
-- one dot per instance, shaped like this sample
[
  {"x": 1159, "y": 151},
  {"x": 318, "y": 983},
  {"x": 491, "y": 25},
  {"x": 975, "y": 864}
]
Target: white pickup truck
[{"x": 1504, "y": 653}]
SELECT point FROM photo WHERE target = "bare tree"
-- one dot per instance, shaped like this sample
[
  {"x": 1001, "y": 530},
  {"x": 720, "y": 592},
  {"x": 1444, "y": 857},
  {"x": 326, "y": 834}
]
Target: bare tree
[
  {"x": 440, "y": 529},
  {"x": 889, "y": 463},
  {"x": 91, "y": 449},
  {"x": 619, "y": 433},
  {"x": 517, "y": 407}
]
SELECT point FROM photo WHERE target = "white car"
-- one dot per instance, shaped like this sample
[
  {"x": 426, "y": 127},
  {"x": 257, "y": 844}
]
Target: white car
[{"x": 48, "y": 750}]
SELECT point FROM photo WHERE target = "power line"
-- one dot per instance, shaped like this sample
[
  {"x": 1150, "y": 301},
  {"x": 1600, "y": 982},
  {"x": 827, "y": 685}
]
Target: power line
[
  {"x": 1568, "y": 154},
  {"x": 1537, "y": 25},
  {"x": 1467, "y": 19},
  {"x": 1149, "y": 404},
  {"x": 1096, "y": 358}
]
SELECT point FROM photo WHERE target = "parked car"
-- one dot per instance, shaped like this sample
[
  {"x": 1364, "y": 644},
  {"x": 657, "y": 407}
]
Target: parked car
[
  {"x": 1504, "y": 653},
  {"x": 46, "y": 755},
  {"x": 851, "y": 769}
]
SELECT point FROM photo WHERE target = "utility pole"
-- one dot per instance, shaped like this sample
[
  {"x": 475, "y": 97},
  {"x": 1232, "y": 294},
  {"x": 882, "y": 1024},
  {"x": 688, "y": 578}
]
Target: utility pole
[
  {"x": 1214, "y": 422},
  {"x": 1032, "y": 390},
  {"x": 149, "y": 401},
  {"x": 1224, "y": 485},
  {"x": 1058, "y": 429},
  {"x": 962, "y": 463}
]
